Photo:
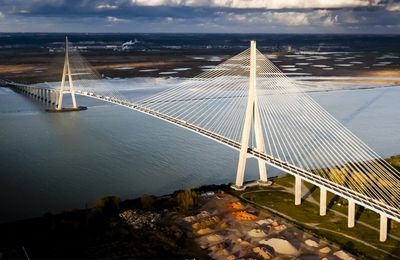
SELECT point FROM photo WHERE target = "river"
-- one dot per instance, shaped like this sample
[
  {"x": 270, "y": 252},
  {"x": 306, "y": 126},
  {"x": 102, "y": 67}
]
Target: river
[{"x": 55, "y": 161}]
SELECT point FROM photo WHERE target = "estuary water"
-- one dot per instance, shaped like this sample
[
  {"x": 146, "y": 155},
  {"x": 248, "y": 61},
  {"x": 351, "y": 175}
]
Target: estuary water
[{"x": 55, "y": 161}]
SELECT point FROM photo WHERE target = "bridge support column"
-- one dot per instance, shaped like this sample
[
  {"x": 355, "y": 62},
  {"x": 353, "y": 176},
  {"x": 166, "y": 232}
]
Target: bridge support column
[
  {"x": 252, "y": 119},
  {"x": 66, "y": 71},
  {"x": 52, "y": 97},
  {"x": 322, "y": 202},
  {"x": 351, "y": 215},
  {"x": 297, "y": 190},
  {"x": 57, "y": 99},
  {"x": 383, "y": 228}
]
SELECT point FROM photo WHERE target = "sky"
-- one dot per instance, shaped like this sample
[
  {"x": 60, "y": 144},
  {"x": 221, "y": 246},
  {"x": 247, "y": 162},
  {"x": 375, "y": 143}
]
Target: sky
[{"x": 202, "y": 16}]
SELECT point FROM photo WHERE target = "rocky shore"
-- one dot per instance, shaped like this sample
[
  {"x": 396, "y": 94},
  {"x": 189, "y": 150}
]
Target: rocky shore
[
  {"x": 230, "y": 229},
  {"x": 187, "y": 224}
]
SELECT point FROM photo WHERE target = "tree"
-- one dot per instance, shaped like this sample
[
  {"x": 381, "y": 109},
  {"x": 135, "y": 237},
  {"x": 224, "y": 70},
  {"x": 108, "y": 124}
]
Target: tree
[
  {"x": 147, "y": 201},
  {"x": 187, "y": 199},
  {"x": 108, "y": 205}
]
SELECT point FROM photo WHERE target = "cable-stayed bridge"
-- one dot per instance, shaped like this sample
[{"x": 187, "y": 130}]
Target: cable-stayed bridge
[{"x": 248, "y": 104}]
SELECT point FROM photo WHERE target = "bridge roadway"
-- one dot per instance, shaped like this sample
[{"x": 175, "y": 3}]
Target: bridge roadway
[{"x": 360, "y": 199}]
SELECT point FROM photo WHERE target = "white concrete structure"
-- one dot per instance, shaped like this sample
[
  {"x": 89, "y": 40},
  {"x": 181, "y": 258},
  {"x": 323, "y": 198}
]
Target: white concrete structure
[
  {"x": 297, "y": 190},
  {"x": 252, "y": 119},
  {"x": 383, "y": 228},
  {"x": 322, "y": 201},
  {"x": 351, "y": 215},
  {"x": 66, "y": 71}
]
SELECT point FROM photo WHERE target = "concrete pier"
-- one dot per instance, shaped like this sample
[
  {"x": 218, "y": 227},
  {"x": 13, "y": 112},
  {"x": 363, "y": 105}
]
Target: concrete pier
[
  {"x": 297, "y": 190},
  {"x": 351, "y": 216},
  {"x": 322, "y": 202},
  {"x": 383, "y": 228}
]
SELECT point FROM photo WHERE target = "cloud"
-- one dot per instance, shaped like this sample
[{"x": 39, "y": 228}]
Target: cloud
[
  {"x": 106, "y": 6},
  {"x": 290, "y": 18},
  {"x": 260, "y": 16},
  {"x": 1, "y": 15},
  {"x": 330, "y": 20},
  {"x": 393, "y": 7},
  {"x": 262, "y": 4},
  {"x": 115, "y": 20}
]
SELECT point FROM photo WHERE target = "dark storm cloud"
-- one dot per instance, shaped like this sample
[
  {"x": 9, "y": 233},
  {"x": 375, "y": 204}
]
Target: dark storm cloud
[{"x": 344, "y": 16}]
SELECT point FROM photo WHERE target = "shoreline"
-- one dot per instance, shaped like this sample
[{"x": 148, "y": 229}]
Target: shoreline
[
  {"x": 98, "y": 219},
  {"x": 393, "y": 160}
]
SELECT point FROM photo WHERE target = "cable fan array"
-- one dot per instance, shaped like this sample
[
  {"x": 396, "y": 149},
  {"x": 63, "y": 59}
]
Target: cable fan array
[
  {"x": 296, "y": 129},
  {"x": 86, "y": 79},
  {"x": 214, "y": 100}
]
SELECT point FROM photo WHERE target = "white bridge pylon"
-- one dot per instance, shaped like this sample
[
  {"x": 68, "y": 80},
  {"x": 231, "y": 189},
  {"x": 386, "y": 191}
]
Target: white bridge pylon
[
  {"x": 66, "y": 72},
  {"x": 252, "y": 120}
]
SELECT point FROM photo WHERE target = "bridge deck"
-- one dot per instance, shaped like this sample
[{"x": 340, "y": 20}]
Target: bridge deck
[{"x": 372, "y": 204}]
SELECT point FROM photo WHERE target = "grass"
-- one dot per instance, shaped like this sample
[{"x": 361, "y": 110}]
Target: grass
[
  {"x": 394, "y": 161},
  {"x": 333, "y": 226}
]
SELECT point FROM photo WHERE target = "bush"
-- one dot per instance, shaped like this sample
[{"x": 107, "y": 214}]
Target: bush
[
  {"x": 109, "y": 205},
  {"x": 147, "y": 201},
  {"x": 187, "y": 199}
]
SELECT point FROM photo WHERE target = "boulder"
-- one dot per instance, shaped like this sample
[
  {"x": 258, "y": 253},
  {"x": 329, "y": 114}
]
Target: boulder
[
  {"x": 267, "y": 221},
  {"x": 261, "y": 252},
  {"x": 204, "y": 231},
  {"x": 214, "y": 238},
  {"x": 325, "y": 250},
  {"x": 280, "y": 227},
  {"x": 311, "y": 243},
  {"x": 281, "y": 246},
  {"x": 343, "y": 255},
  {"x": 258, "y": 233}
]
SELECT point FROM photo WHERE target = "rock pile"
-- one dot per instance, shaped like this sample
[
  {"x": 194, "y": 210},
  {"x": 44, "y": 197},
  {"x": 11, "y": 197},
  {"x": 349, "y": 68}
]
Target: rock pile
[{"x": 140, "y": 219}]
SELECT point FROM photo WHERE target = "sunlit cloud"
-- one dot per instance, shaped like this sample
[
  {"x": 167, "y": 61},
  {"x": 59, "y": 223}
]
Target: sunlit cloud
[
  {"x": 262, "y": 4},
  {"x": 114, "y": 20},
  {"x": 260, "y": 16},
  {"x": 393, "y": 7},
  {"x": 107, "y": 7}
]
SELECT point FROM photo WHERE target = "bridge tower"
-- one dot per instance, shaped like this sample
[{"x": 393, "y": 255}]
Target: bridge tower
[
  {"x": 66, "y": 71},
  {"x": 252, "y": 120}
]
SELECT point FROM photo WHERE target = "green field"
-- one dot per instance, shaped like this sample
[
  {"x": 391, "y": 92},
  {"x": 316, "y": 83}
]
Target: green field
[
  {"x": 394, "y": 161},
  {"x": 362, "y": 240}
]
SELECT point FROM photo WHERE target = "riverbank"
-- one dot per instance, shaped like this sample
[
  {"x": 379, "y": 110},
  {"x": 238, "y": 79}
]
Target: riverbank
[
  {"x": 145, "y": 227},
  {"x": 203, "y": 223},
  {"x": 210, "y": 221}
]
